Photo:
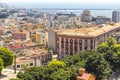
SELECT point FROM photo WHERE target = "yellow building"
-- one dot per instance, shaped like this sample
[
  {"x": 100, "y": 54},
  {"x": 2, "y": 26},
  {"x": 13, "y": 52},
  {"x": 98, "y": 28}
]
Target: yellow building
[
  {"x": 38, "y": 38},
  {"x": 41, "y": 37}
]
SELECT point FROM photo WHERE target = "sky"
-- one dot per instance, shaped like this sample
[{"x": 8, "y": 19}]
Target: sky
[
  {"x": 98, "y": 4},
  {"x": 80, "y": 1}
]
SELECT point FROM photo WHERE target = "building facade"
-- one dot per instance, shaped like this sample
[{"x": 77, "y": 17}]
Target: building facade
[
  {"x": 102, "y": 20},
  {"x": 32, "y": 60},
  {"x": 70, "y": 42},
  {"x": 52, "y": 36},
  {"x": 86, "y": 16},
  {"x": 115, "y": 16},
  {"x": 21, "y": 35},
  {"x": 41, "y": 37}
]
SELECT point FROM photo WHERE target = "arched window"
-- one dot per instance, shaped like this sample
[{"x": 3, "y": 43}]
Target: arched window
[
  {"x": 66, "y": 40},
  {"x": 75, "y": 41},
  {"x": 80, "y": 42},
  {"x": 86, "y": 41},
  {"x": 91, "y": 41},
  {"x": 71, "y": 41},
  {"x": 62, "y": 40}
]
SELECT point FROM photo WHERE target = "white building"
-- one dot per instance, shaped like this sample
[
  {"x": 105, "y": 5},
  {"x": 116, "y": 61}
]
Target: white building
[
  {"x": 86, "y": 16},
  {"x": 115, "y": 16},
  {"x": 63, "y": 18}
]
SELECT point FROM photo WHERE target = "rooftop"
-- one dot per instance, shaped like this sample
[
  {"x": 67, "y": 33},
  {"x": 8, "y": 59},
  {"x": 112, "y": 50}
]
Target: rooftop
[
  {"x": 20, "y": 32},
  {"x": 85, "y": 76},
  {"x": 89, "y": 32}
]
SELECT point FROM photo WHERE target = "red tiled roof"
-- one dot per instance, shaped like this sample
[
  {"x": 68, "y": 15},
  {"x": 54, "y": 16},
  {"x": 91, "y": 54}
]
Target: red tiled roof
[
  {"x": 2, "y": 29},
  {"x": 15, "y": 46},
  {"x": 85, "y": 76},
  {"x": 28, "y": 44},
  {"x": 38, "y": 55},
  {"x": 19, "y": 32}
]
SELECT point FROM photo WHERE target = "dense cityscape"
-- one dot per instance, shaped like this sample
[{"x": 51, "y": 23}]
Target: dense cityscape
[{"x": 45, "y": 45}]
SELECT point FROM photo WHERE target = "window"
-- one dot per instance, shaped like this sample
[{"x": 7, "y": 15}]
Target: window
[
  {"x": 31, "y": 64},
  {"x": 43, "y": 41},
  {"x": 71, "y": 53},
  {"x": 91, "y": 41},
  {"x": 75, "y": 41},
  {"x": 85, "y": 48},
  {"x": 62, "y": 40},
  {"x": 18, "y": 66},
  {"x": 75, "y": 48},
  {"x": 71, "y": 41},
  {"x": 80, "y": 48},
  {"x": 66, "y": 47},
  {"x": 85, "y": 41},
  {"x": 71, "y": 47},
  {"x": 80, "y": 42},
  {"x": 62, "y": 45},
  {"x": 91, "y": 47},
  {"x": 66, "y": 40}
]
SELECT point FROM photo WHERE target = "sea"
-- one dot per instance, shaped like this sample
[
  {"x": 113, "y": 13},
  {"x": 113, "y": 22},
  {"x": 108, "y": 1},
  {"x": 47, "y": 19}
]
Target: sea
[
  {"x": 94, "y": 13},
  {"x": 77, "y": 8}
]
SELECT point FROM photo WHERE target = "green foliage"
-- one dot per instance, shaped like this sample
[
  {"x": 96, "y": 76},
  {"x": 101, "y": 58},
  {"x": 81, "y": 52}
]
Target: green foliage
[
  {"x": 111, "y": 41},
  {"x": 1, "y": 65},
  {"x": 97, "y": 65},
  {"x": 25, "y": 76},
  {"x": 7, "y": 56},
  {"x": 102, "y": 48},
  {"x": 101, "y": 63},
  {"x": 61, "y": 75},
  {"x": 24, "y": 66},
  {"x": 111, "y": 52},
  {"x": 15, "y": 79},
  {"x": 57, "y": 63}
]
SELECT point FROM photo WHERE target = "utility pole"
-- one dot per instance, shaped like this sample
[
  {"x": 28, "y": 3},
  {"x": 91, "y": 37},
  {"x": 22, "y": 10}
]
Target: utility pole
[
  {"x": 15, "y": 64},
  {"x": 35, "y": 61}
]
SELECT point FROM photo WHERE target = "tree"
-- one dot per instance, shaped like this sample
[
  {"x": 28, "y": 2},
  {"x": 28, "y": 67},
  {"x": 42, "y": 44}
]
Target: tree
[
  {"x": 98, "y": 66},
  {"x": 1, "y": 65},
  {"x": 111, "y": 52},
  {"x": 102, "y": 48},
  {"x": 61, "y": 75},
  {"x": 110, "y": 44},
  {"x": 57, "y": 63},
  {"x": 24, "y": 66},
  {"x": 7, "y": 56},
  {"x": 111, "y": 41},
  {"x": 15, "y": 79}
]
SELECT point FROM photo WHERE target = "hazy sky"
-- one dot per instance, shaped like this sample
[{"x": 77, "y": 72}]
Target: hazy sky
[
  {"x": 98, "y": 4},
  {"x": 80, "y": 1}
]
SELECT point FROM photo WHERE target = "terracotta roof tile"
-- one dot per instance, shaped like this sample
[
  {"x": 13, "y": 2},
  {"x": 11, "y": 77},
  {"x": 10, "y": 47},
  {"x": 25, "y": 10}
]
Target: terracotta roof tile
[{"x": 85, "y": 76}]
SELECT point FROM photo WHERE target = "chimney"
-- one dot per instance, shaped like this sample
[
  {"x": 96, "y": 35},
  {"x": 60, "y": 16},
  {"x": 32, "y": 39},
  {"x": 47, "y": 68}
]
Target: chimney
[{"x": 81, "y": 71}]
